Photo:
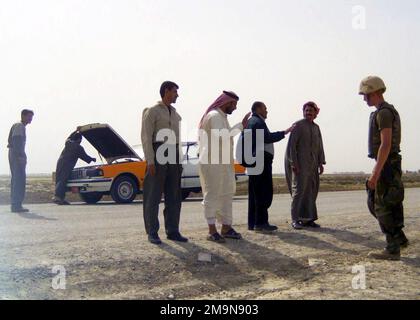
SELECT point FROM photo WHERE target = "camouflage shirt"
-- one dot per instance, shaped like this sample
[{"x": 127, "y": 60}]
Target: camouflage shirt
[{"x": 385, "y": 117}]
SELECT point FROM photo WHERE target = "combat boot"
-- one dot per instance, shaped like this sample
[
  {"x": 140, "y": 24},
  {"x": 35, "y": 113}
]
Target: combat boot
[
  {"x": 403, "y": 240},
  {"x": 391, "y": 252},
  {"x": 385, "y": 255}
]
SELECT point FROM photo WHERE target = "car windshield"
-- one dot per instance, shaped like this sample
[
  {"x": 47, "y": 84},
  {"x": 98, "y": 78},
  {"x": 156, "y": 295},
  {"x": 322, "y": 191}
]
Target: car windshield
[{"x": 192, "y": 150}]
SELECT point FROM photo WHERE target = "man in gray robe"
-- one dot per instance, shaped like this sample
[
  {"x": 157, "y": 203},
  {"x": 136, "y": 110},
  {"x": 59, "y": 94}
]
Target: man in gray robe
[{"x": 304, "y": 163}]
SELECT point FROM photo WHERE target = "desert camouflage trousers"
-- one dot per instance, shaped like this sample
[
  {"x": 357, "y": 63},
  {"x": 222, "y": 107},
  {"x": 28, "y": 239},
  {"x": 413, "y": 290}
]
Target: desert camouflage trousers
[{"x": 386, "y": 202}]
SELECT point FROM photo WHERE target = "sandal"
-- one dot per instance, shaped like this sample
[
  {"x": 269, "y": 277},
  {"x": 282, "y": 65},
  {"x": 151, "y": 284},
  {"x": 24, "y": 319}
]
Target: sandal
[
  {"x": 232, "y": 234},
  {"x": 216, "y": 237}
]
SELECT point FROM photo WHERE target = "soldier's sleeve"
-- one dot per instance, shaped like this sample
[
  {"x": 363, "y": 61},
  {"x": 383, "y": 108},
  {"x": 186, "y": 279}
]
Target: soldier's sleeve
[{"x": 384, "y": 119}]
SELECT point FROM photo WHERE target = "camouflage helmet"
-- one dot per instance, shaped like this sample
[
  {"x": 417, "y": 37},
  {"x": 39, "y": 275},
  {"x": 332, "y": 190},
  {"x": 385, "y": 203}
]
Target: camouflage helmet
[{"x": 371, "y": 84}]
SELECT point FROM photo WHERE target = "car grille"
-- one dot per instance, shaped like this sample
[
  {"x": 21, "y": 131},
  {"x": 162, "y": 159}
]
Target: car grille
[
  {"x": 86, "y": 173},
  {"x": 78, "y": 174}
]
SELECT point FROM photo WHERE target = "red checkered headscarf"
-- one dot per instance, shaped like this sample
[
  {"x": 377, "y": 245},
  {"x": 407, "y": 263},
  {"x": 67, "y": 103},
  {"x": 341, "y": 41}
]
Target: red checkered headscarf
[{"x": 224, "y": 98}]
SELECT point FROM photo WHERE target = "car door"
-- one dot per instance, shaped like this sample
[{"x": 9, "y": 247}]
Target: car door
[{"x": 190, "y": 178}]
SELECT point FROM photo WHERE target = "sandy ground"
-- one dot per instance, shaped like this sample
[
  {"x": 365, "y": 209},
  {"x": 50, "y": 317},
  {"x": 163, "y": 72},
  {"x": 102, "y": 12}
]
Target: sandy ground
[{"x": 105, "y": 254}]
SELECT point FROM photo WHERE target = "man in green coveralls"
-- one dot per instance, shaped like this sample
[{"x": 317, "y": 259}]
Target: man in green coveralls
[{"x": 384, "y": 147}]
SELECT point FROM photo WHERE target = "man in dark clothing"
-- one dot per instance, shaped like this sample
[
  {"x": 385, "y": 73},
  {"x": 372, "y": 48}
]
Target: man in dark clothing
[
  {"x": 386, "y": 190},
  {"x": 72, "y": 152},
  {"x": 18, "y": 160},
  {"x": 260, "y": 186}
]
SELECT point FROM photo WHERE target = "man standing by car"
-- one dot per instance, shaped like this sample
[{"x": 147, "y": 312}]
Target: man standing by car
[
  {"x": 384, "y": 148},
  {"x": 162, "y": 177},
  {"x": 72, "y": 152},
  {"x": 260, "y": 186},
  {"x": 17, "y": 161}
]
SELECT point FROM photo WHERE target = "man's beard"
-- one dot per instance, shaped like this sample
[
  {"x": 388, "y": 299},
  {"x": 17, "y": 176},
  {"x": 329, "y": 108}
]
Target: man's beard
[{"x": 230, "y": 110}]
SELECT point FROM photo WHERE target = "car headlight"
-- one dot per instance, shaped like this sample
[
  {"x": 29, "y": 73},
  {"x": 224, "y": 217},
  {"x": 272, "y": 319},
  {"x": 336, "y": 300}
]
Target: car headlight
[{"x": 94, "y": 173}]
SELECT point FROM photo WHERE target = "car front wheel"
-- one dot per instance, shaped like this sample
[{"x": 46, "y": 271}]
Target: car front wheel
[{"x": 124, "y": 190}]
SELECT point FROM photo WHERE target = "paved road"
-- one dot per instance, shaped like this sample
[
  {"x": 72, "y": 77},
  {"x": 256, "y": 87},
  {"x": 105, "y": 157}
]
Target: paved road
[
  {"x": 85, "y": 236},
  {"x": 52, "y": 219}
]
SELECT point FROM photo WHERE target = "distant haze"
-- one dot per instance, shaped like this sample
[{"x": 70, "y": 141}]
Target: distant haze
[{"x": 77, "y": 62}]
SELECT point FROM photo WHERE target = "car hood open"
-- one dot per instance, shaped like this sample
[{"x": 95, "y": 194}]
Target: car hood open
[{"x": 107, "y": 142}]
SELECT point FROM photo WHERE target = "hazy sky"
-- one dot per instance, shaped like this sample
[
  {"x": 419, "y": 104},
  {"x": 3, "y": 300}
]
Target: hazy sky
[{"x": 77, "y": 62}]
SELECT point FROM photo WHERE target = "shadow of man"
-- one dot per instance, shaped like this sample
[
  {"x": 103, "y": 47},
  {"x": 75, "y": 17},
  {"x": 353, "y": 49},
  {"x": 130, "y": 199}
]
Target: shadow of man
[
  {"x": 263, "y": 259},
  {"x": 34, "y": 216},
  {"x": 303, "y": 240},
  {"x": 221, "y": 273},
  {"x": 351, "y": 237}
]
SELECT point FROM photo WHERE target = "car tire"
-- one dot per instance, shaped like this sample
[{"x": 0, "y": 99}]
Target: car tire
[
  {"x": 124, "y": 190},
  {"x": 91, "y": 197},
  {"x": 185, "y": 194}
]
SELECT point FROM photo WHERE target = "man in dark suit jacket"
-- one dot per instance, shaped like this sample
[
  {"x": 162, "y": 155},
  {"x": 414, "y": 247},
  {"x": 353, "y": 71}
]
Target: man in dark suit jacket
[{"x": 260, "y": 187}]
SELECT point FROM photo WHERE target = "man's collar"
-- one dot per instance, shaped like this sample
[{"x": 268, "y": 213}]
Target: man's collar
[
  {"x": 221, "y": 112},
  {"x": 382, "y": 105},
  {"x": 257, "y": 115},
  {"x": 161, "y": 104}
]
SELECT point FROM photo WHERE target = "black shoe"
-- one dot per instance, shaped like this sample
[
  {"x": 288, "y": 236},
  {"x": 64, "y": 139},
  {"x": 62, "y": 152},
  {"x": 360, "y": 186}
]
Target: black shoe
[
  {"x": 61, "y": 202},
  {"x": 20, "y": 210},
  {"x": 297, "y": 225},
  {"x": 312, "y": 224},
  {"x": 65, "y": 203},
  {"x": 265, "y": 228},
  {"x": 177, "y": 237},
  {"x": 154, "y": 238}
]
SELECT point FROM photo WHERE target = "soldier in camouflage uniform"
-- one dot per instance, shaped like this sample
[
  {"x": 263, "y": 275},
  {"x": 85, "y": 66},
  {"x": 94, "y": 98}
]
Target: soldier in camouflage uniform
[{"x": 385, "y": 187}]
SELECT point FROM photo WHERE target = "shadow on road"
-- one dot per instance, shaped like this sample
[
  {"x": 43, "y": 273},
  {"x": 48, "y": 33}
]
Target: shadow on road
[
  {"x": 304, "y": 240},
  {"x": 263, "y": 259},
  {"x": 351, "y": 237},
  {"x": 34, "y": 216},
  {"x": 209, "y": 272},
  {"x": 414, "y": 262},
  {"x": 227, "y": 270}
]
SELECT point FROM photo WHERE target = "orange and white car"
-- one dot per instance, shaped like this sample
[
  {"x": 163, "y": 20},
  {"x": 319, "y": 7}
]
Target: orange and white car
[{"x": 123, "y": 174}]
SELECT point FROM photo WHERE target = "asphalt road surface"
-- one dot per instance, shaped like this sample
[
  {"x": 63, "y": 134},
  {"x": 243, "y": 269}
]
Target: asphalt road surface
[{"x": 101, "y": 252}]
